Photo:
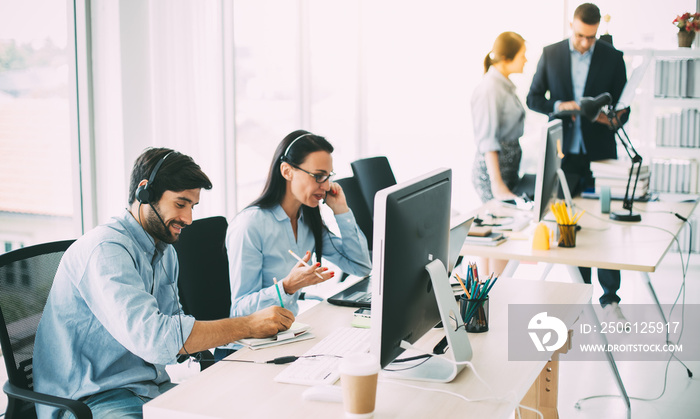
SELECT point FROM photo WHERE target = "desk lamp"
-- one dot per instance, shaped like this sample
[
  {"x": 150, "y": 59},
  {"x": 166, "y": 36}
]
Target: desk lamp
[
  {"x": 590, "y": 108},
  {"x": 626, "y": 214}
]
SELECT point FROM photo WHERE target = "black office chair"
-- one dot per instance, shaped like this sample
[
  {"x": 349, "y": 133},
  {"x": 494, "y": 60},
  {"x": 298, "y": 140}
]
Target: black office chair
[
  {"x": 373, "y": 174},
  {"x": 203, "y": 283},
  {"x": 356, "y": 202},
  {"x": 26, "y": 276}
]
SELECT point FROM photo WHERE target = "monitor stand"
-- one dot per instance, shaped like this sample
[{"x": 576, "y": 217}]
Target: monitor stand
[
  {"x": 437, "y": 368},
  {"x": 565, "y": 188}
]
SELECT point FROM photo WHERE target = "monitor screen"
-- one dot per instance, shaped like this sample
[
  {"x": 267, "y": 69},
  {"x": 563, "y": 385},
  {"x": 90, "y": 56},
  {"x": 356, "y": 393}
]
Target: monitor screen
[
  {"x": 411, "y": 229},
  {"x": 547, "y": 181}
]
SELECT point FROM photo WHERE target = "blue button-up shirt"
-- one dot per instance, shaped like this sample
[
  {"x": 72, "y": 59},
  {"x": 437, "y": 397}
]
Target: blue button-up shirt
[
  {"x": 258, "y": 243},
  {"x": 113, "y": 318},
  {"x": 580, "y": 63}
]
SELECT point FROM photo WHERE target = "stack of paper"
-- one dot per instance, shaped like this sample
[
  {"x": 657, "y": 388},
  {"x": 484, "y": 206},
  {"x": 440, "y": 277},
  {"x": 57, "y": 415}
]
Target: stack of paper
[
  {"x": 487, "y": 238},
  {"x": 298, "y": 331},
  {"x": 615, "y": 173}
]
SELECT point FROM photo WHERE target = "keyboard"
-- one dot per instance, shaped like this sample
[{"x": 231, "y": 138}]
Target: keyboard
[
  {"x": 356, "y": 295},
  {"x": 322, "y": 370}
]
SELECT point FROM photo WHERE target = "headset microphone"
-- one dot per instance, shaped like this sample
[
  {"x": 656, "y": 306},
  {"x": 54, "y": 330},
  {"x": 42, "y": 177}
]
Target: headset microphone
[{"x": 143, "y": 193}]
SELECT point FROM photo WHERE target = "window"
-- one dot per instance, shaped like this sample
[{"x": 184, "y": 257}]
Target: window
[{"x": 36, "y": 167}]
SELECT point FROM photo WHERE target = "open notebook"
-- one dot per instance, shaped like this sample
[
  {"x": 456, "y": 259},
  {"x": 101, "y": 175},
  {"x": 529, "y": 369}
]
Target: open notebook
[{"x": 298, "y": 331}]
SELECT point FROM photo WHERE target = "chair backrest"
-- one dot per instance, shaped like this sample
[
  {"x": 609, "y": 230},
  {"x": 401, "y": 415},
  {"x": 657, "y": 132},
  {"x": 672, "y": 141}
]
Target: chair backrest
[
  {"x": 203, "y": 282},
  {"x": 26, "y": 276},
  {"x": 373, "y": 174},
  {"x": 356, "y": 202}
]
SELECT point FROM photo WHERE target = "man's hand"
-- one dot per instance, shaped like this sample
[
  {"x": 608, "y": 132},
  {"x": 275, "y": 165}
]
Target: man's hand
[
  {"x": 569, "y": 106},
  {"x": 267, "y": 322},
  {"x": 603, "y": 118}
]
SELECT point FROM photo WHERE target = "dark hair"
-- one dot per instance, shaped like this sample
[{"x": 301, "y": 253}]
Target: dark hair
[
  {"x": 177, "y": 173},
  {"x": 588, "y": 13},
  {"x": 304, "y": 143},
  {"x": 505, "y": 48}
]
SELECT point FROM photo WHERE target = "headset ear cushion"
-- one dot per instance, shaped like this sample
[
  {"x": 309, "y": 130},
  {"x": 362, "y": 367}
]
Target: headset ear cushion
[{"x": 143, "y": 195}]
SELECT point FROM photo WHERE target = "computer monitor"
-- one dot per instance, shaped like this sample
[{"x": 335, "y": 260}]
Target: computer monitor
[
  {"x": 411, "y": 292},
  {"x": 549, "y": 173}
]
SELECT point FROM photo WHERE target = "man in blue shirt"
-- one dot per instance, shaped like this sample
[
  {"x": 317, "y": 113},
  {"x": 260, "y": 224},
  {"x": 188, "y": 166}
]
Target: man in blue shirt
[
  {"x": 113, "y": 318},
  {"x": 567, "y": 71}
]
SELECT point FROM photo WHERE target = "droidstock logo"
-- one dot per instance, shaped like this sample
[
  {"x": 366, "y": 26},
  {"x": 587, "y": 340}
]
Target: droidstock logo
[{"x": 541, "y": 321}]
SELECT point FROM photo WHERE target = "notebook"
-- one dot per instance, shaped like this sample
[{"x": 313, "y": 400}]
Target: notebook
[{"x": 360, "y": 293}]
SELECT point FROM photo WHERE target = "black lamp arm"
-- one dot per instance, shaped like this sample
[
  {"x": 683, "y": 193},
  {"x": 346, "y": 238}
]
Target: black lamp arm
[{"x": 617, "y": 126}]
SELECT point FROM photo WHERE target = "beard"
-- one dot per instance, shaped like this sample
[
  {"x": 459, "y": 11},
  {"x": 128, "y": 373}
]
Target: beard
[{"x": 157, "y": 228}]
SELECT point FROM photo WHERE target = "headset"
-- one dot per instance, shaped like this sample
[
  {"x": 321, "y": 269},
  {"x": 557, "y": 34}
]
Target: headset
[
  {"x": 285, "y": 157},
  {"x": 143, "y": 194}
]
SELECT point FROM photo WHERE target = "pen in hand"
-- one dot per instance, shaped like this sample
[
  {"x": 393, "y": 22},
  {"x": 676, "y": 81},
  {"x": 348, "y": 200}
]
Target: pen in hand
[
  {"x": 278, "y": 292},
  {"x": 304, "y": 263}
]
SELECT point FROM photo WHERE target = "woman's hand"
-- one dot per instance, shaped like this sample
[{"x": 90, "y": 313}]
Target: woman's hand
[
  {"x": 499, "y": 190},
  {"x": 335, "y": 199},
  {"x": 302, "y": 276}
]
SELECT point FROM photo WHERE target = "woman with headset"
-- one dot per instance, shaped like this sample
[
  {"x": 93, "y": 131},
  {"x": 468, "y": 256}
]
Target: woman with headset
[{"x": 286, "y": 217}]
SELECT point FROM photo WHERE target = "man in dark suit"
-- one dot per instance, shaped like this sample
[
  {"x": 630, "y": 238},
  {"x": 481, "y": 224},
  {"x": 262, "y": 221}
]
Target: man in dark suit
[{"x": 569, "y": 70}]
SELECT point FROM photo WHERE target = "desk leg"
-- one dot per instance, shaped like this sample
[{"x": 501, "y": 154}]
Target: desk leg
[
  {"x": 547, "y": 268},
  {"x": 653, "y": 294},
  {"x": 544, "y": 392},
  {"x": 510, "y": 268},
  {"x": 576, "y": 275}
]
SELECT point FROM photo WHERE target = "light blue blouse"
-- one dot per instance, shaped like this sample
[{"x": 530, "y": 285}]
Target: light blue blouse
[
  {"x": 497, "y": 113},
  {"x": 112, "y": 319},
  {"x": 258, "y": 243}
]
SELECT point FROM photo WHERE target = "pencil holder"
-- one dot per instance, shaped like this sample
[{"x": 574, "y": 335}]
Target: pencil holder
[
  {"x": 475, "y": 313},
  {"x": 567, "y": 235}
]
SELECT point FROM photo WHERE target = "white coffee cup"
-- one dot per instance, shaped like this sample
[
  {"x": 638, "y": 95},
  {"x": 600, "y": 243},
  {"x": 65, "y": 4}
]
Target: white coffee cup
[{"x": 358, "y": 378}]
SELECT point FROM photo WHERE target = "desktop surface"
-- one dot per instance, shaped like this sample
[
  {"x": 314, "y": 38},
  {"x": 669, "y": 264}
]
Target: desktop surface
[
  {"x": 233, "y": 389},
  {"x": 601, "y": 242}
]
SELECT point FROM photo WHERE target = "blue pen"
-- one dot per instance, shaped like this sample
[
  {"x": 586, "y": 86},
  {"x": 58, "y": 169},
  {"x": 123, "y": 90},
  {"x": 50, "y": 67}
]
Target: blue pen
[{"x": 278, "y": 292}]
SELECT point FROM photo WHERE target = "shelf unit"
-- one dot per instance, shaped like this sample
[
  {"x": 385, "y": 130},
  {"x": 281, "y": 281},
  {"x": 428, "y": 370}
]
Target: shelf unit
[{"x": 642, "y": 130}]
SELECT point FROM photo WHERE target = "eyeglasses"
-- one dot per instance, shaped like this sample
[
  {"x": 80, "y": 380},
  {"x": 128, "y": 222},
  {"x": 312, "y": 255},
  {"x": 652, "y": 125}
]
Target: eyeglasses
[
  {"x": 319, "y": 177},
  {"x": 587, "y": 38}
]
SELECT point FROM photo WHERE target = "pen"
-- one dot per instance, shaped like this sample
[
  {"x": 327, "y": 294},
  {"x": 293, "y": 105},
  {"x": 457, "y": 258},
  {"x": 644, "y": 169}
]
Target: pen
[
  {"x": 302, "y": 261},
  {"x": 278, "y": 292}
]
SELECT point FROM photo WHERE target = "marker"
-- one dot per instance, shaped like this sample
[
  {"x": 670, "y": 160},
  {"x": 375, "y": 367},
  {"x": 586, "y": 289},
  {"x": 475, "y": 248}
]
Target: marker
[
  {"x": 304, "y": 263},
  {"x": 278, "y": 292}
]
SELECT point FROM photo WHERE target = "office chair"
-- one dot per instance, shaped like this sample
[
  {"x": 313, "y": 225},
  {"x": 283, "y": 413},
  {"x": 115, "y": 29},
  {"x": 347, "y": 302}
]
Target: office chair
[
  {"x": 26, "y": 276},
  {"x": 373, "y": 174},
  {"x": 356, "y": 202},
  {"x": 203, "y": 282}
]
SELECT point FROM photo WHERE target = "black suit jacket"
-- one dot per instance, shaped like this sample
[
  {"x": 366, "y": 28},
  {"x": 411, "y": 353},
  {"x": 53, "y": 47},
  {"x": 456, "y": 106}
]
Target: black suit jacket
[{"x": 607, "y": 73}]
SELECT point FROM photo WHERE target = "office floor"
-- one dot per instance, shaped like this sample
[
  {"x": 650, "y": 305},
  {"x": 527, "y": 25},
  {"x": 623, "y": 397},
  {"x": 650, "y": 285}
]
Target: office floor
[{"x": 578, "y": 380}]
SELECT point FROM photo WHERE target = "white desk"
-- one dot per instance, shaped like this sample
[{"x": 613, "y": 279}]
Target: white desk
[
  {"x": 230, "y": 389},
  {"x": 601, "y": 243}
]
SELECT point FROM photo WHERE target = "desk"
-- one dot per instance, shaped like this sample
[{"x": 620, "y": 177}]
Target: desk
[
  {"x": 230, "y": 389},
  {"x": 601, "y": 243}
]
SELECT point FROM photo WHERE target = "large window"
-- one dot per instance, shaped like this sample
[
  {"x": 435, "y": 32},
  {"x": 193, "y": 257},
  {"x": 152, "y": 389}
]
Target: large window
[{"x": 36, "y": 163}]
